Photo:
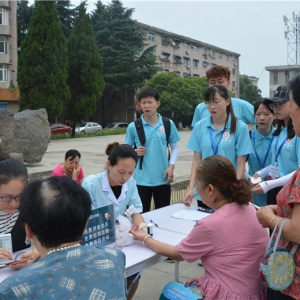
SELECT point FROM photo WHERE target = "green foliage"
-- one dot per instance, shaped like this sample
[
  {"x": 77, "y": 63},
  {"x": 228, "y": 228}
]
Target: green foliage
[
  {"x": 42, "y": 65},
  {"x": 248, "y": 91},
  {"x": 24, "y": 13},
  {"x": 179, "y": 97},
  {"x": 85, "y": 70},
  {"x": 66, "y": 15},
  {"x": 98, "y": 133}
]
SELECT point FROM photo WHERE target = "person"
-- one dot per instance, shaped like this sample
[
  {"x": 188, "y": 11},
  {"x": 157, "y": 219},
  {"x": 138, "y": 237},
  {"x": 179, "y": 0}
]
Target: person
[
  {"x": 221, "y": 134},
  {"x": 70, "y": 167},
  {"x": 243, "y": 110},
  {"x": 288, "y": 205},
  {"x": 285, "y": 149},
  {"x": 116, "y": 185},
  {"x": 262, "y": 139},
  {"x": 13, "y": 177},
  {"x": 157, "y": 171},
  {"x": 65, "y": 269},
  {"x": 223, "y": 240}
]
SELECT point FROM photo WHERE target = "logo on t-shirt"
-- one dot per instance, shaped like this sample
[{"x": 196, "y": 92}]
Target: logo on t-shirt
[
  {"x": 162, "y": 128},
  {"x": 226, "y": 135}
]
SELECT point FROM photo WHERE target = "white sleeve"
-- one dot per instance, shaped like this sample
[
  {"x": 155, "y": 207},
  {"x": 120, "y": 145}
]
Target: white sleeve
[
  {"x": 271, "y": 184},
  {"x": 264, "y": 172},
  {"x": 174, "y": 153}
]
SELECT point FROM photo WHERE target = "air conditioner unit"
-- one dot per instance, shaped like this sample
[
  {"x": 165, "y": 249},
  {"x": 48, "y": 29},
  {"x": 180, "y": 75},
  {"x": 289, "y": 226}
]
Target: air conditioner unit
[
  {"x": 173, "y": 44},
  {"x": 188, "y": 66},
  {"x": 233, "y": 87},
  {"x": 187, "y": 52},
  {"x": 162, "y": 57},
  {"x": 205, "y": 56}
]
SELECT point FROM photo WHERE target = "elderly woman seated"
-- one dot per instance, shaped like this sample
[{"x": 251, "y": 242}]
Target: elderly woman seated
[{"x": 55, "y": 212}]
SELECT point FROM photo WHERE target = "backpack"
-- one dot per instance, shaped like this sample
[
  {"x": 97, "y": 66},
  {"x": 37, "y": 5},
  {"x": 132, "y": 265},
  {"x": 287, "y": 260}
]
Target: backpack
[{"x": 141, "y": 134}]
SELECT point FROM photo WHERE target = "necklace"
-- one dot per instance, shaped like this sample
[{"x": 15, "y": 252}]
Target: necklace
[{"x": 63, "y": 248}]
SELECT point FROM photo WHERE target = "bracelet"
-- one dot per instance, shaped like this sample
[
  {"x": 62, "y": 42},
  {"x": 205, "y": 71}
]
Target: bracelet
[
  {"x": 272, "y": 221},
  {"x": 145, "y": 239}
]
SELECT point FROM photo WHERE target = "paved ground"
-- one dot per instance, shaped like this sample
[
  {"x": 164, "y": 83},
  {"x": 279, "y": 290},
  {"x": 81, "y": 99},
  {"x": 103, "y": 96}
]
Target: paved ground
[{"x": 93, "y": 161}]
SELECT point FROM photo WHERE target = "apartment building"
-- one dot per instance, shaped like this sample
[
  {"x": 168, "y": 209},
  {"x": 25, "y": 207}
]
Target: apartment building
[
  {"x": 9, "y": 94},
  {"x": 189, "y": 57},
  {"x": 280, "y": 75}
]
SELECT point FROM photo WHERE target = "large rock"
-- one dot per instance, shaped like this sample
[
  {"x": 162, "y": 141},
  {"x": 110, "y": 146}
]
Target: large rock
[{"x": 27, "y": 132}]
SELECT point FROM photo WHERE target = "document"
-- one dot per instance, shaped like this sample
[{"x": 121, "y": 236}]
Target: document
[{"x": 190, "y": 215}]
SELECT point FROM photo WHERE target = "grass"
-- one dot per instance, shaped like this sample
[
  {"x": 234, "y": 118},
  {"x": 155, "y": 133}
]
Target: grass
[{"x": 81, "y": 135}]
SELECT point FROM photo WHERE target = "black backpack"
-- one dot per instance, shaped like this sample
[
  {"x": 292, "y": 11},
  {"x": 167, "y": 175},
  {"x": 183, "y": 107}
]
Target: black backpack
[{"x": 141, "y": 134}]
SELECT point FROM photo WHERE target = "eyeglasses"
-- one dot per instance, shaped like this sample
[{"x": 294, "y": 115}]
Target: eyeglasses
[
  {"x": 277, "y": 105},
  {"x": 212, "y": 103},
  {"x": 8, "y": 199}
]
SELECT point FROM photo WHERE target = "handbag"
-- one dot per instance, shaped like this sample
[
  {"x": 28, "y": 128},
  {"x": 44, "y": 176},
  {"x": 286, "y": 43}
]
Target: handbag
[{"x": 278, "y": 265}]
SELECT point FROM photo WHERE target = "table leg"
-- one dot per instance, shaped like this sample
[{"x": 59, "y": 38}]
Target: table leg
[{"x": 177, "y": 271}]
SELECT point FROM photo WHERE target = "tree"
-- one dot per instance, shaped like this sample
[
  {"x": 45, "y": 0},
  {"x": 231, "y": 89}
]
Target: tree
[
  {"x": 24, "y": 13},
  {"x": 85, "y": 70},
  {"x": 42, "y": 67},
  {"x": 66, "y": 15},
  {"x": 179, "y": 97},
  {"x": 121, "y": 42},
  {"x": 248, "y": 91}
]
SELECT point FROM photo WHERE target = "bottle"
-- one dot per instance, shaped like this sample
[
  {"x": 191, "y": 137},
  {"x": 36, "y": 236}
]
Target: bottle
[
  {"x": 150, "y": 228},
  {"x": 130, "y": 211}
]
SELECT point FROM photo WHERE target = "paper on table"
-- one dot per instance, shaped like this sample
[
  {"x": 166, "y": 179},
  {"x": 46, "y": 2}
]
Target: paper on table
[{"x": 191, "y": 215}]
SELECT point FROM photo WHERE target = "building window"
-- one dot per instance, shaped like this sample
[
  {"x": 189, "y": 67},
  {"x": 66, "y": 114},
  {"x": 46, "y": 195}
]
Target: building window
[
  {"x": 212, "y": 53},
  {"x": 185, "y": 46},
  {"x": 287, "y": 76},
  {"x": 165, "y": 40},
  {"x": 195, "y": 49},
  {"x": 233, "y": 71},
  {"x": 3, "y": 44},
  {"x": 3, "y": 16},
  {"x": 3, "y": 72},
  {"x": 166, "y": 70},
  {"x": 196, "y": 75},
  {"x": 176, "y": 72},
  {"x": 203, "y": 50},
  {"x": 205, "y": 65},
  {"x": 195, "y": 63},
  {"x": 186, "y": 61},
  {"x": 151, "y": 36},
  {"x": 233, "y": 85},
  {"x": 227, "y": 57},
  {"x": 220, "y": 55},
  {"x": 275, "y": 77},
  {"x": 233, "y": 59},
  {"x": 186, "y": 74}
]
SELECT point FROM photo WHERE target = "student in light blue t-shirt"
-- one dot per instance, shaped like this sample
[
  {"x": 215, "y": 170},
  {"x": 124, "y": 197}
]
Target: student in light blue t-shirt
[
  {"x": 243, "y": 110},
  {"x": 220, "y": 134},
  {"x": 285, "y": 149},
  {"x": 262, "y": 139}
]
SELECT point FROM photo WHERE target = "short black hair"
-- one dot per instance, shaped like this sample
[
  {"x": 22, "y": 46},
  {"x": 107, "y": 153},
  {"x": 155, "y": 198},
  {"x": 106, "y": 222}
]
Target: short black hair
[
  {"x": 72, "y": 153},
  {"x": 116, "y": 151},
  {"x": 266, "y": 102},
  {"x": 12, "y": 169},
  {"x": 56, "y": 210},
  {"x": 148, "y": 92}
]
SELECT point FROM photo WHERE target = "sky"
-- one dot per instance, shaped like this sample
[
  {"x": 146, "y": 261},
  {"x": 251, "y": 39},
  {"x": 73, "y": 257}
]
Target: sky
[{"x": 254, "y": 29}]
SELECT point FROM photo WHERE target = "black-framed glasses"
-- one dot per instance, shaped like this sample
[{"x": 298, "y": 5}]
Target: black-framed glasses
[
  {"x": 8, "y": 199},
  {"x": 278, "y": 105}
]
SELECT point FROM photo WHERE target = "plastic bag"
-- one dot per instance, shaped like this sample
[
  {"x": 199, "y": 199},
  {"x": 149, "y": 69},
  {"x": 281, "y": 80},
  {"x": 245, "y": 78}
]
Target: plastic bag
[{"x": 123, "y": 237}]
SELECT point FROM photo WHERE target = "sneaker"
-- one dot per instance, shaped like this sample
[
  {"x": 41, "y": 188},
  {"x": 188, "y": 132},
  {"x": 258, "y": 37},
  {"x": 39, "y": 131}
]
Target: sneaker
[
  {"x": 169, "y": 260},
  {"x": 199, "y": 262}
]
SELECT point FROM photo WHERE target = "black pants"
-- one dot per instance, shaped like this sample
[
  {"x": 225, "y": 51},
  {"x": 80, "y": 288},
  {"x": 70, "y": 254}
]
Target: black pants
[
  {"x": 271, "y": 196},
  {"x": 161, "y": 195},
  {"x": 277, "y": 295}
]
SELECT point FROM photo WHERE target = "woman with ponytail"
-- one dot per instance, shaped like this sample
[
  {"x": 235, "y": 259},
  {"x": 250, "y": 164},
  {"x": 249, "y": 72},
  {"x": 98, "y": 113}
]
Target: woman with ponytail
[{"x": 230, "y": 242}]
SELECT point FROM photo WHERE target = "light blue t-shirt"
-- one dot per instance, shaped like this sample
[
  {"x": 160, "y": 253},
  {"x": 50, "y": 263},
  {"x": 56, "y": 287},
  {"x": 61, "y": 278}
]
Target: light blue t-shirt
[
  {"x": 261, "y": 144},
  {"x": 289, "y": 157},
  {"x": 155, "y": 161},
  {"x": 243, "y": 110},
  {"x": 101, "y": 193}
]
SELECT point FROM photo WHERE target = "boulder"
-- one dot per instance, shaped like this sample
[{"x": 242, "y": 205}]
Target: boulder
[{"x": 26, "y": 132}]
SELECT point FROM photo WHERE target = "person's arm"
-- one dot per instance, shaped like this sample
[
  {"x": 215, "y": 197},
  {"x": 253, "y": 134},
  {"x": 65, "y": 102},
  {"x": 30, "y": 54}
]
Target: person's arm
[
  {"x": 190, "y": 191},
  {"x": 267, "y": 218},
  {"x": 137, "y": 219},
  {"x": 241, "y": 161},
  {"x": 158, "y": 247},
  {"x": 173, "y": 159},
  {"x": 263, "y": 172}
]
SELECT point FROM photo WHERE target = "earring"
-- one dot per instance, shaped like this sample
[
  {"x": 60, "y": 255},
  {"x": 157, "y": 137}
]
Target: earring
[{"x": 28, "y": 241}]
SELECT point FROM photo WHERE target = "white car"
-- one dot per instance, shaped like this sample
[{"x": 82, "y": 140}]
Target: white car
[{"x": 88, "y": 127}]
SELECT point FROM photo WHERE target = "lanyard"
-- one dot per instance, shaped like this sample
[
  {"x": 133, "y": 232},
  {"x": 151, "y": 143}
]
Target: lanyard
[
  {"x": 262, "y": 165},
  {"x": 215, "y": 150},
  {"x": 280, "y": 147}
]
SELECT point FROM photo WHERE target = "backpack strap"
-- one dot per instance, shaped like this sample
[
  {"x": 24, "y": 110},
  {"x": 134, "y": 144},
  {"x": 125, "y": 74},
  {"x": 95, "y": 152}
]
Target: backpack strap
[
  {"x": 141, "y": 135},
  {"x": 167, "y": 125}
]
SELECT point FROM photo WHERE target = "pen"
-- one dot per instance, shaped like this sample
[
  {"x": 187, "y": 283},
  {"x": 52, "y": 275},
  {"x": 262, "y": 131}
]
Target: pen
[
  {"x": 255, "y": 206},
  {"x": 154, "y": 223},
  {"x": 190, "y": 198}
]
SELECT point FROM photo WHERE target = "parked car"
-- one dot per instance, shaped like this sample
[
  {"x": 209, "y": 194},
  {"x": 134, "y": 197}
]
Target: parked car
[
  {"x": 88, "y": 127},
  {"x": 116, "y": 125},
  {"x": 58, "y": 128}
]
